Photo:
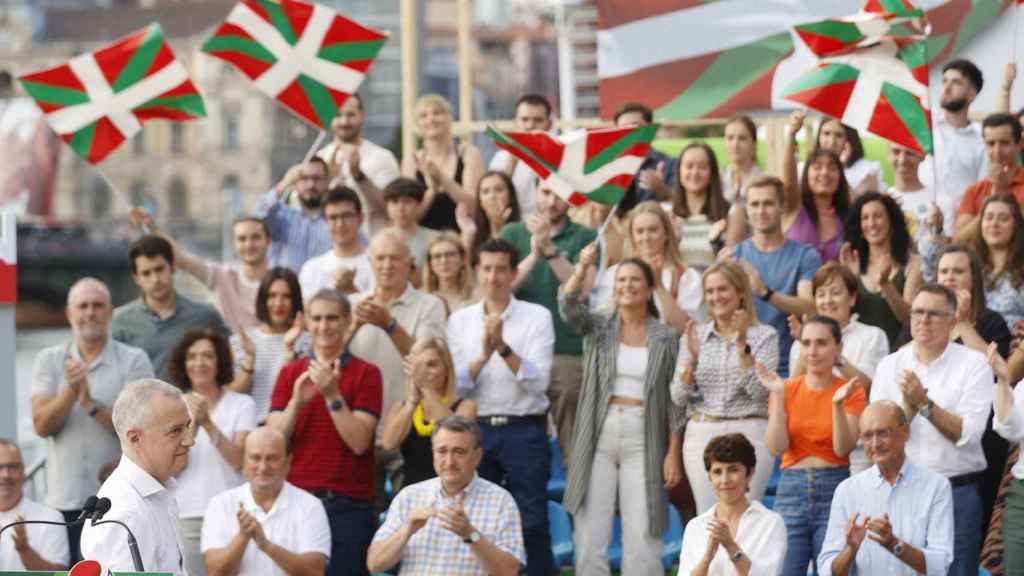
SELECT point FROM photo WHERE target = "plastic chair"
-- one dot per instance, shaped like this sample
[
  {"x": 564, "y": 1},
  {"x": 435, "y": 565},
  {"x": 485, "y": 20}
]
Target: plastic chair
[
  {"x": 556, "y": 477},
  {"x": 615, "y": 549},
  {"x": 560, "y": 528},
  {"x": 672, "y": 541}
]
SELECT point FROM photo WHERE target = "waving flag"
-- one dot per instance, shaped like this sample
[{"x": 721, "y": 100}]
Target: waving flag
[
  {"x": 582, "y": 165},
  {"x": 874, "y": 76},
  {"x": 306, "y": 56},
  {"x": 98, "y": 100}
]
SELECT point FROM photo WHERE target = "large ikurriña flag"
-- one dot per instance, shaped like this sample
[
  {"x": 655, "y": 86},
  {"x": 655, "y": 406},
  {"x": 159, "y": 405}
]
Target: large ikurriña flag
[
  {"x": 306, "y": 56},
  {"x": 581, "y": 165},
  {"x": 98, "y": 100}
]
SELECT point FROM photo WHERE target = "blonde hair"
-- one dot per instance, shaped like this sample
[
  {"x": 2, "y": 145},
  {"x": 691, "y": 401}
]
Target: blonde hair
[
  {"x": 439, "y": 346},
  {"x": 431, "y": 282},
  {"x": 432, "y": 99},
  {"x": 737, "y": 276},
  {"x": 672, "y": 253}
]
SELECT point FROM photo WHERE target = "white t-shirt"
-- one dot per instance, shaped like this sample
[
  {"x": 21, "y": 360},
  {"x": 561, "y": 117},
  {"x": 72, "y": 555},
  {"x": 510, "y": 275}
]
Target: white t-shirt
[
  {"x": 321, "y": 272},
  {"x": 523, "y": 179},
  {"x": 50, "y": 542},
  {"x": 861, "y": 169},
  {"x": 208, "y": 473},
  {"x": 915, "y": 207},
  {"x": 689, "y": 292},
  {"x": 296, "y": 522}
]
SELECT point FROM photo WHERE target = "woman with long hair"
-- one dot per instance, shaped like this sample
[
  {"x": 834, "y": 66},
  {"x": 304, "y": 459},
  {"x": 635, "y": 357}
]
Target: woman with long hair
[
  {"x": 447, "y": 273},
  {"x": 430, "y": 396},
  {"x": 448, "y": 169},
  {"x": 652, "y": 239},
  {"x": 812, "y": 425},
  {"x": 200, "y": 365},
  {"x": 717, "y": 387},
  {"x": 818, "y": 201},
  {"x": 741, "y": 147},
  {"x": 699, "y": 206},
  {"x": 496, "y": 205},
  {"x": 626, "y": 442},
  {"x": 879, "y": 251},
  {"x": 260, "y": 352}
]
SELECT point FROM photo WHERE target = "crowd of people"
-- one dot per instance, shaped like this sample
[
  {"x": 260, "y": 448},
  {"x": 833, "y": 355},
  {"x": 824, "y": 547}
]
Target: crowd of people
[{"x": 376, "y": 383}]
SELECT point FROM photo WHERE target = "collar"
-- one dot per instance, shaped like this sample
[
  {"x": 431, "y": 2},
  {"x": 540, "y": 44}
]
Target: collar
[
  {"x": 946, "y": 352},
  {"x": 852, "y": 325},
  {"x": 512, "y": 302},
  {"x": 468, "y": 492},
  {"x": 754, "y": 508},
  {"x": 569, "y": 228},
  {"x": 904, "y": 473},
  {"x": 105, "y": 354},
  {"x": 249, "y": 502},
  {"x": 179, "y": 301},
  {"x": 140, "y": 480},
  {"x": 707, "y": 330},
  {"x": 972, "y": 128}
]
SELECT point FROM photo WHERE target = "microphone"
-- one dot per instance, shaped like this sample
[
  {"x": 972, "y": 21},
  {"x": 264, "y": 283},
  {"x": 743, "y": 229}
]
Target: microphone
[
  {"x": 88, "y": 509},
  {"x": 102, "y": 507}
]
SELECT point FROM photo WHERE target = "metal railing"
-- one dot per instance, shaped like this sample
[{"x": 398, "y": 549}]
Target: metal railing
[{"x": 35, "y": 479}]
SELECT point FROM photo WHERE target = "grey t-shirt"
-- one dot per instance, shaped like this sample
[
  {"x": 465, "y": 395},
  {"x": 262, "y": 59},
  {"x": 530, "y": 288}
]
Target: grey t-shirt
[{"x": 77, "y": 452}]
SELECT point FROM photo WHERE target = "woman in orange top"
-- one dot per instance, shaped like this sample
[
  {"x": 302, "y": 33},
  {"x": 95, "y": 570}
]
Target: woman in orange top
[{"x": 812, "y": 423}]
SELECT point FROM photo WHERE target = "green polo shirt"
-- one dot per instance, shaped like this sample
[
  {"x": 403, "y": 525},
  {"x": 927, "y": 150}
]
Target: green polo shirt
[{"x": 541, "y": 286}]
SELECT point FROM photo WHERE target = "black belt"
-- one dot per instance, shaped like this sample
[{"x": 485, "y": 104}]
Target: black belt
[
  {"x": 325, "y": 494},
  {"x": 506, "y": 420},
  {"x": 965, "y": 479}
]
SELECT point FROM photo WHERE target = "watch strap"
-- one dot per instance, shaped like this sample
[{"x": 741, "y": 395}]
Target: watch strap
[
  {"x": 767, "y": 294},
  {"x": 391, "y": 325},
  {"x": 504, "y": 350},
  {"x": 337, "y": 404},
  {"x": 473, "y": 538}
]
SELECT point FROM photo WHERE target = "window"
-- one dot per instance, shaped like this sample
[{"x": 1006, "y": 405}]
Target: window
[
  {"x": 177, "y": 137},
  {"x": 177, "y": 199},
  {"x": 230, "y": 136},
  {"x": 139, "y": 143},
  {"x": 99, "y": 202}
]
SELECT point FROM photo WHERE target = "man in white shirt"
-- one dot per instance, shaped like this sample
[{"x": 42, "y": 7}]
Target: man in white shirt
[
  {"x": 27, "y": 547},
  {"x": 946, "y": 391},
  {"x": 387, "y": 322},
  {"x": 959, "y": 158},
  {"x": 359, "y": 164},
  {"x": 503, "y": 350},
  {"x": 74, "y": 384},
  {"x": 532, "y": 114},
  {"x": 266, "y": 526},
  {"x": 234, "y": 286},
  {"x": 917, "y": 201},
  {"x": 345, "y": 267},
  {"x": 154, "y": 426}
]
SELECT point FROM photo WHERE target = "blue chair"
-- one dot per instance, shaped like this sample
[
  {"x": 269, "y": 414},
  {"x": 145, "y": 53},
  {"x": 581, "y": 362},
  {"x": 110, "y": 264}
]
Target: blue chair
[
  {"x": 615, "y": 549},
  {"x": 773, "y": 480},
  {"x": 560, "y": 529},
  {"x": 672, "y": 541},
  {"x": 769, "y": 502},
  {"x": 983, "y": 572},
  {"x": 556, "y": 477}
]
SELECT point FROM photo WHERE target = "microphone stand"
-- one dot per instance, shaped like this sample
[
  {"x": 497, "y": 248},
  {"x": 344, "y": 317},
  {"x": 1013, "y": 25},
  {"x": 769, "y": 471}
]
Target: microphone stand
[{"x": 133, "y": 545}]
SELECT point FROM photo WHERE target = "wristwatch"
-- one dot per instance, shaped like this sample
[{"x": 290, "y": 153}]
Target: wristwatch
[
  {"x": 474, "y": 537},
  {"x": 96, "y": 406},
  {"x": 504, "y": 350},
  {"x": 737, "y": 556},
  {"x": 391, "y": 325},
  {"x": 550, "y": 255},
  {"x": 337, "y": 404},
  {"x": 926, "y": 410},
  {"x": 897, "y": 549},
  {"x": 767, "y": 294}
]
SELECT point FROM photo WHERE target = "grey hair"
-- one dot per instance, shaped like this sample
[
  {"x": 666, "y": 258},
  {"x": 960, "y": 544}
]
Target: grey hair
[
  {"x": 331, "y": 295},
  {"x": 461, "y": 424},
  {"x": 393, "y": 233},
  {"x": 894, "y": 408},
  {"x": 132, "y": 409},
  {"x": 91, "y": 282}
]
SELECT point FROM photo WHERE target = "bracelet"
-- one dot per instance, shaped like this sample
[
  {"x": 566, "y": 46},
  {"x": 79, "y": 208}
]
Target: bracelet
[{"x": 767, "y": 294}]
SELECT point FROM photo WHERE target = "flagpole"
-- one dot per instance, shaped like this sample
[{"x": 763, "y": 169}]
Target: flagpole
[
  {"x": 117, "y": 192},
  {"x": 600, "y": 240},
  {"x": 931, "y": 127},
  {"x": 316, "y": 145}
]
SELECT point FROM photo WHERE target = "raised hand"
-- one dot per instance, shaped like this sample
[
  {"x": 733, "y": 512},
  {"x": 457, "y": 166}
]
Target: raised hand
[
  {"x": 934, "y": 219},
  {"x": 880, "y": 530},
  {"x": 464, "y": 219},
  {"x": 692, "y": 343},
  {"x": 413, "y": 378},
  {"x": 844, "y": 391},
  {"x": 418, "y": 518},
  {"x": 770, "y": 380},
  {"x": 588, "y": 255},
  {"x": 716, "y": 229},
  {"x": 756, "y": 283},
  {"x": 720, "y": 531},
  {"x": 353, "y": 164},
  {"x": 913, "y": 391},
  {"x": 652, "y": 178},
  {"x": 246, "y": 344},
  {"x": 454, "y": 519},
  {"x": 199, "y": 407},
  {"x": 251, "y": 527},
  {"x": 850, "y": 258},
  {"x": 1009, "y": 75},
  {"x": 795, "y": 326},
  {"x": 855, "y": 532},
  {"x": 996, "y": 361},
  {"x": 75, "y": 373},
  {"x": 304, "y": 389},
  {"x": 796, "y": 122},
  {"x": 964, "y": 309},
  {"x": 141, "y": 218}
]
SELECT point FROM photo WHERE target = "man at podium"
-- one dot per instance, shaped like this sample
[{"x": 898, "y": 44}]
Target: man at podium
[{"x": 154, "y": 427}]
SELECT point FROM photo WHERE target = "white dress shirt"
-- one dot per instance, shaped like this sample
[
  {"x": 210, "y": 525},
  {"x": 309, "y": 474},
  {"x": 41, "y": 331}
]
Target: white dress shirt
[
  {"x": 150, "y": 511},
  {"x": 50, "y": 542},
  {"x": 527, "y": 329},
  {"x": 920, "y": 509},
  {"x": 1013, "y": 428},
  {"x": 961, "y": 155},
  {"x": 761, "y": 535},
  {"x": 380, "y": 167},
  {"x": 296, "y": 522},
  {"x": 958, "y": 381},
  {"x": 321, "y": 272}
]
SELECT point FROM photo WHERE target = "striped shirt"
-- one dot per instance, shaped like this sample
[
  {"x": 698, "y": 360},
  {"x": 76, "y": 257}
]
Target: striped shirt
[
  {"x": 267, "y": 363},
  {"x": 296, "y": 236},
  {"x": 723, "y": 387},
  {"x": 435, "y": 550}
]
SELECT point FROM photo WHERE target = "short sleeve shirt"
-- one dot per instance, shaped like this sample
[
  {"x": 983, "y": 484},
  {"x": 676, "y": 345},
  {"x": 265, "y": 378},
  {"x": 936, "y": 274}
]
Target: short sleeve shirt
[
  {"x": 810, "y": 420},
  {"x": 50, "y": 542},
  {"x": 235, "y": 295},
  {"x": 976, "y": 193},
  {"x": 321, "y": 460}
]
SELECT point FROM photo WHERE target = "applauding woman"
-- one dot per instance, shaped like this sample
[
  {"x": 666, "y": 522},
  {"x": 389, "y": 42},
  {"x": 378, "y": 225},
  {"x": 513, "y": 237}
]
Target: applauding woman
[
  {"x": 201, "y": 366},
  {"x": 737, "y": 535},
  {"x": 496, "y": 205},
  {"x": 448, "y": 273},
  {"x": 626, "y": 442},
  {"x": 812, "y": 424},
  {"x": 408, "y": 425},
  {"x": 717, "y": 386}
]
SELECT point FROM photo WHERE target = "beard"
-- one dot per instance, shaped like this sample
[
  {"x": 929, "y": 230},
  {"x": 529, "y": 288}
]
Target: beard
[
  {"x": 955, "y": 105},
  {"x": 310, "y": 202}
]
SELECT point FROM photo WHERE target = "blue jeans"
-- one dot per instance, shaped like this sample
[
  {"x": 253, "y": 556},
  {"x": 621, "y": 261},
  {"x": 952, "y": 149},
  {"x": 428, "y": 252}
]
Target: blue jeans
[
  {"x": 966, "y": 530},
  {"x": 516, "y": 456},
  {"x": 352, "y": 526},
  {"x": 804, "y": 499}
]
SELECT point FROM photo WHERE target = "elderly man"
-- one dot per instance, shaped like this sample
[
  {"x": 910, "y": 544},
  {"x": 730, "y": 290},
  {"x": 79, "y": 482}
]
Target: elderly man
[
  {"x": 154, "y": 426},
  {"x": 328, "y": 405},
  {"x": 73, "y": 387},
  {"x": 27, "y": 547},
  {"x": 266, "y": 526},
  {"x": 946, "y": 390},
  {"x": 456, "y": 523},
  {"x": 893, "y": 518},
  {"x": 298, "y": 233},
  {"x": 502, "y": 349}
]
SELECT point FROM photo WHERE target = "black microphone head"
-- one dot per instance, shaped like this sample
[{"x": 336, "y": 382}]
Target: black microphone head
[
  {"x": 90, "y": 505},
  {"x": 102, "y": 507}
]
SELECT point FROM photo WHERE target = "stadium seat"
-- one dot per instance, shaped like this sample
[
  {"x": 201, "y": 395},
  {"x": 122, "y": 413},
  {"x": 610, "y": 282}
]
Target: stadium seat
[
  {"x": 556, "y": 479},
  {"x": 672, "y": 542},
  {"x": 615, "y": 550},
  {"x": 560, "y": 529}
]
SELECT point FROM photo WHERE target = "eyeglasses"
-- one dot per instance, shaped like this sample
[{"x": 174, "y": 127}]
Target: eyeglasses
[
  {"x": 920, "y": 314},
  {"x": 346, "y": 218},
  {"x": 444, "y": 255},
  {"x": 884, "y": 435}
]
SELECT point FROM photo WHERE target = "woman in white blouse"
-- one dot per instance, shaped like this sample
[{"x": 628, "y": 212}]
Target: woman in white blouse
[
  {"x": 200, "y": 365},
  {"x": 652, "y": 239},
  {"x": 737, "y": 535}
]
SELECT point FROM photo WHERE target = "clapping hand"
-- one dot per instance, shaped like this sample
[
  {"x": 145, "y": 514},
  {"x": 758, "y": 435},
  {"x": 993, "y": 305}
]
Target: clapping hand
[
  {"x": 914, "y": 393},
  {"x": 844, "y": 391},
  {"x": 418, "y": 518},
  {"x": 720, "y": 531},
  {"x": 251, "y": 527},
  {"x": 651, "y": 178},
  {"x": 796, "y": 325},
  {"x": 293, "y": 333},
  {"x": 997, "y": 362},
  {"x": 850, "y": 258},
  {"x": 855, "y": 532},
  {"x": 770, "y": 380},
  {"x": 881, "y": 531},
  {"x": 454, "y": 519}
]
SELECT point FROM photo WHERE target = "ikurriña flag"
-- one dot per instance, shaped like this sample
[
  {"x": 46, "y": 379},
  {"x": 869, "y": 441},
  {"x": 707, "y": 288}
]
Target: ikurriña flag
[
  {"x": 581, "y": 165},
  {"x": 97, "y": 100},
  {"x": 306, "y": 56}
]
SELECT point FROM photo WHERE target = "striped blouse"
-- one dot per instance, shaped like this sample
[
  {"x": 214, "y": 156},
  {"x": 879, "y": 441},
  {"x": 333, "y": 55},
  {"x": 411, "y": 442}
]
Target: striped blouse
[{"x": 661, "y": 417}]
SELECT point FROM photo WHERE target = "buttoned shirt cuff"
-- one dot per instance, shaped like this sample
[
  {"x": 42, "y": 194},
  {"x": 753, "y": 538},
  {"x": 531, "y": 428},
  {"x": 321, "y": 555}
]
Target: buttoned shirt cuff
[
  {"x": 971, "y": 430},
  {"x": 936, "y": 562},
  {"x": 1011, "y": 428},
  {"x": 268, "y": 204},
  {"x": 464, "y": 382}
]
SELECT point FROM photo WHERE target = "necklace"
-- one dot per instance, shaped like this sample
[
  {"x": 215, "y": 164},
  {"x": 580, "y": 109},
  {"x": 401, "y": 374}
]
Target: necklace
[{"x": 423, "y": 427}]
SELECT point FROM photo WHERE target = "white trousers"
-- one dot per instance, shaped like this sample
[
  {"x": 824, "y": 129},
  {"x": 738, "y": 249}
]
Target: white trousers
[
  {"x": 696, "y": 439},
  {"x": 618, "y": 469}
]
